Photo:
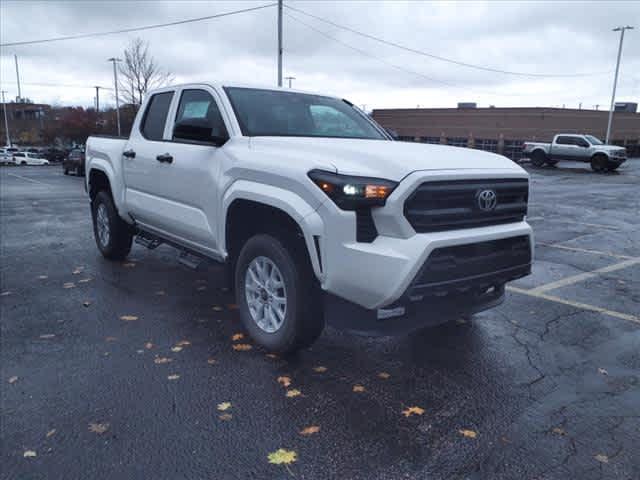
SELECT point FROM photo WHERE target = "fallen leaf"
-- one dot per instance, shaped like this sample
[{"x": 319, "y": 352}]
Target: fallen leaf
[
  {"x": 201, "y": 288},
  {"x": 86, "y": 303},
  {"x": 173, "y": 376},
  {"x": 98, "y": 427},
  {"x": 148, "y": 345},
  {"x": 407, "y": 412},
  {"x": 129, "y": 265},
  {"x": 13, "y": 379},
  {"x": 310, "y": 430},
  {"x": 225, "y": 417},
  {"x": 29, "y": 454},
  {"x": 282, "y": 456},
  {"x": 294, "y": 392},
  {"x": 601, "y": 458},
  {"x": 183, "y": 343},
  {"x": 216, "y": 308},
  {"x": 42, "y": 277},
  {"x": 176, "y": 349},
  {"x": 110, "y": 339},
  {"x": 51, "y": 433},
  {"x": 320, "y": 369},
  {"x": 84, "y": 280},
  {"x": 284, "y": 381},
  {"x": 224, "y": 406},
  {"x": 212, "y": 361},
  {"x": 237, "y": 336},
  {"x": 232, "y": 306},
  {"x": 242, "y": 347},
  {"x": 468, "y": 433},
  {"x": 358, "y": 388},
  {"x": 78, "y": 270},
  {"x": 160, "y": 292},
  {"x": 106, "y": 354},
  {"x": 271, "y": 355},
  {"x": 47, "y": 335},
  {"x": 129, "y": 318},
  {"x": 161, "y": 360},
  {"x": 602, "y": 371},
  {"x": 558, "y": 431},
  {"x": 69, "y": 285},
  {"x": 384, "y": 375}
]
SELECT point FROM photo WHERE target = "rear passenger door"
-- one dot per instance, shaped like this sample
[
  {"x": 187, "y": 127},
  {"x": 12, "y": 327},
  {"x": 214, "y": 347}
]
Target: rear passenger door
[{"x": 563, "y": 147}]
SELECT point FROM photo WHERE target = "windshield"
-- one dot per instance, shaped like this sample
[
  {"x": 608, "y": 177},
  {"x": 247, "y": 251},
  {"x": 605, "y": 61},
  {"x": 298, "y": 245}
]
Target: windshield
[
  {"x": 290, "y": 114},
  {"x": 593, "y": 140}
]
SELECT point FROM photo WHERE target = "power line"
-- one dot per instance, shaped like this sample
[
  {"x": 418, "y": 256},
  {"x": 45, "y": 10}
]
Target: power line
[
  {"x": 135, "y": 29},
  {"x": 57, "y": 85},
  {"x": 437, "y": 57},
  {"x": 398, "y": 67}
]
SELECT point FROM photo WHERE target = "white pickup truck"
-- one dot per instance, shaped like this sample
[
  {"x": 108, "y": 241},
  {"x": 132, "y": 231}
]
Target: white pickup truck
[
  {"x": 316, "y": 212},
  {"x": 581, "y": 148}
]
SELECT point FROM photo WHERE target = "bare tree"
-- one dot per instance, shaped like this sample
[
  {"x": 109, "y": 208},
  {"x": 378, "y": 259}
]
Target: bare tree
[{"x": 139, "y": 72}]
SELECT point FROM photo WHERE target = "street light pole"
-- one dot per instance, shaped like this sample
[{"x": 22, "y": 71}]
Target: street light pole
[
  {"x": 280, "y": 43},
  {"x": 115, "y": 81},
  {"x": 6, "y": 122},
  {"x": 97, "y": 99},
  {"x": 615, "y": 79},
  {"x": 289, "y": 78}
]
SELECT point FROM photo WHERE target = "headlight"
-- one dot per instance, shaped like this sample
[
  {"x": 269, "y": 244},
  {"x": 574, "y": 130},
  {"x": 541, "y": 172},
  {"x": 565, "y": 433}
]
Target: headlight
[{"x": 351, "y": 193}]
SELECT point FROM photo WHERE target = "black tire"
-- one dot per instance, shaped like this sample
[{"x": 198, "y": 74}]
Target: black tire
[
  {"x": 552, "y": 163},
  {"x": 538, "y": 158},
  {"x": 117, "y": 245},
  {"x": 613, "y": 166},
  {"x": 23, "y": 163},
  {"x": 66, "y": 171},
  {"x": 303, "y": 317},
  {"x": 599, "y": 163}
]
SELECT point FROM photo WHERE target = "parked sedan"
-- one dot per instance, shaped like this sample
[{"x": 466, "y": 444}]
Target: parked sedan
[
  {"x": 27, "y": 158},
  {"x": 74, "y": 161}
]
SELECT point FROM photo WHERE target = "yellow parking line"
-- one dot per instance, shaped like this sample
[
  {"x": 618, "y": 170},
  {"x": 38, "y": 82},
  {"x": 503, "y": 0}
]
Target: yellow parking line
[
  {"x": 583, "y": 250},
  {"x": 584, "y": 276},
  {"x": 583, "y": 306}
]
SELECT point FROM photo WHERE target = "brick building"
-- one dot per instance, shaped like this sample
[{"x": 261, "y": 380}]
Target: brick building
[{"x": 504, "y": 130}]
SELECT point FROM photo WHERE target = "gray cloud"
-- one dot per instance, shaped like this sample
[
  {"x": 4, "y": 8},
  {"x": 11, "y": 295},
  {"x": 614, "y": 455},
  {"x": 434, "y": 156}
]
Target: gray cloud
[{"x": 541, "y": 37}]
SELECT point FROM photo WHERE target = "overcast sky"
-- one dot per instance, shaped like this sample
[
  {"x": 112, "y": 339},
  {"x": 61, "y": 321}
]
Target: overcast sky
[{"x": 534, "y": 37}]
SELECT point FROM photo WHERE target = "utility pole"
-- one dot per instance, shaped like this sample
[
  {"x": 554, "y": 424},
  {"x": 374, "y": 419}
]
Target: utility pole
[
  {"x": 280, "y": 43},
  {"x": 289, "y": 78},
  {"x": 15, "y": 57},
  {"x": 97, "y": 99},
  {"x": 615, "y": 79},
  {"x": 6, "y": 122},
  {"x": 115, "y": 81}
]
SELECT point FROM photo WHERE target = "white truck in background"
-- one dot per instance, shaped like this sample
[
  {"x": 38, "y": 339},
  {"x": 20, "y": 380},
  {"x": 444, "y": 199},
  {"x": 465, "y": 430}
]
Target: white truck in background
[
  {"x": 581, "y": 148},
  {"x": 316, "y": 212}
]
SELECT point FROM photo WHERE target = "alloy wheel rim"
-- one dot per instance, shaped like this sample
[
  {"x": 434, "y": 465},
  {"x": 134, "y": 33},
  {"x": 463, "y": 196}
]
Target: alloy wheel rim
[
  {"x": 102, "y": 223},
  {"x": 266, "y": 294}
]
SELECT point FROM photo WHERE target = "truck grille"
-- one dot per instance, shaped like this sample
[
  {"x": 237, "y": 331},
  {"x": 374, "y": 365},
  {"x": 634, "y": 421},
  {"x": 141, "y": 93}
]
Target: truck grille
[
  {"x": 454, "y": 204},
  {"x": 475, "y": 264}
]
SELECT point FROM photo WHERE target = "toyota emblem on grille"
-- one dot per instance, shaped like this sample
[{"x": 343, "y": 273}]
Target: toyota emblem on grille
[{"x": 487, "y": 200}]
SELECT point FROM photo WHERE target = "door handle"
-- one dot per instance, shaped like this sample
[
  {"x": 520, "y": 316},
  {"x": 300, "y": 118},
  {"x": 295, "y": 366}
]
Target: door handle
[
  {"x": 165, "y": 158},
  {"x": 129, "y": 153}
]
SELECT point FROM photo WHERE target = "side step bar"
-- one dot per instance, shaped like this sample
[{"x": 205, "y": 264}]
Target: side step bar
[
  {"x": 187, "y": 257},
  {"x": 148, "y": 240}
]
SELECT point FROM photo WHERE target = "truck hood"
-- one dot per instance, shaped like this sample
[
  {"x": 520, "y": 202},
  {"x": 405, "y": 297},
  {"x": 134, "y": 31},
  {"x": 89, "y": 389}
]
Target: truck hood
[
  {"x": 392, "y": 160},
  {"x": 608, "y": 148}
]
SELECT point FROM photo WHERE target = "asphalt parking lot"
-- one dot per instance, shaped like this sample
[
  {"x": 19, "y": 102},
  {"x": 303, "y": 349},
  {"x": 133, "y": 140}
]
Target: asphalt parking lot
[{"x": 121, "y": 370}]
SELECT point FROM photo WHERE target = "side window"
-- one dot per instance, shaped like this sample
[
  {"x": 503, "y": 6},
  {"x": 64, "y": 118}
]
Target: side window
[
  {"x": 19, "y": 155},
  {"x": 198, "y": 118},
  {"x": 156, "y": 116},
  {"x": 581, "y": 142},
  {"x": 564, "y": 141}
]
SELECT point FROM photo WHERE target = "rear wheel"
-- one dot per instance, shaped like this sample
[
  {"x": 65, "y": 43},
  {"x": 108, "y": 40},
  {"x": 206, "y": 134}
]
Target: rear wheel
[
  {"x": 538, "y": 158},
  {"x": 277, "y": 295},
  {"x": 113, "y": 235},
  {"x": 599, "y": 163}
]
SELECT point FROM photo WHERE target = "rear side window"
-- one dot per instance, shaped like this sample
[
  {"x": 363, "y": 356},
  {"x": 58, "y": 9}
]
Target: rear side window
[
  {"x": 156, "y": 116},
  {"x": 564, "y": 141}
]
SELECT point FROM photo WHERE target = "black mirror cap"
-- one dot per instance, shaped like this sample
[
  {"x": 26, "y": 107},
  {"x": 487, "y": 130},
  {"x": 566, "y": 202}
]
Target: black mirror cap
[{"x": 198, "y": 130}]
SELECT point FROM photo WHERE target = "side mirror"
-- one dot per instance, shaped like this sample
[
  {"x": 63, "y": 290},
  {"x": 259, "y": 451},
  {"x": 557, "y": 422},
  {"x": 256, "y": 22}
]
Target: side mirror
[{"x": 198, "y": 130}]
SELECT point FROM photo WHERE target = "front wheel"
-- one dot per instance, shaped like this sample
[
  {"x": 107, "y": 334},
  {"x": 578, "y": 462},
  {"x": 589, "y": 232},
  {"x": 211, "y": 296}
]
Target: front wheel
[
  {"x": 277, "y": 295},
  {"x": 599, "y": 163},
  {"x": 113, "y": 235}
]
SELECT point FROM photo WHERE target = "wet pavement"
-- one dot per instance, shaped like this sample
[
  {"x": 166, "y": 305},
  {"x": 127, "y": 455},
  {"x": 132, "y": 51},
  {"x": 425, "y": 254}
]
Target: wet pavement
[{"x": 117, "y": 370}]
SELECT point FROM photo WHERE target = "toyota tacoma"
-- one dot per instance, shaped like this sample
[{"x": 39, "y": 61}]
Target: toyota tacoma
[{"x": 317, "y": 213}]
